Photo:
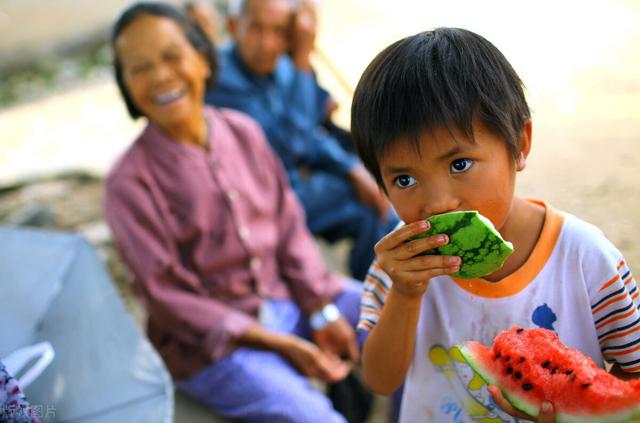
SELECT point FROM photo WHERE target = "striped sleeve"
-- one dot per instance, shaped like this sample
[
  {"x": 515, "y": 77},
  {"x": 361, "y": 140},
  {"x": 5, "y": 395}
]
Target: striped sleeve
[
  {"x": 376, "y": 288},
  {"x": 616, "y": 313}
]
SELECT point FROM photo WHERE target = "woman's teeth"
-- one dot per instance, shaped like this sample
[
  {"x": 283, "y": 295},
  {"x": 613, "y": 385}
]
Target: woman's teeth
[{"x": 166, "y": 98}]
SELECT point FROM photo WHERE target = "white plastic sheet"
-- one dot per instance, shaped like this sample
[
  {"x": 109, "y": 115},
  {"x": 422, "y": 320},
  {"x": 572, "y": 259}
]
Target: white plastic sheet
[{"x": 55, "y": 289}]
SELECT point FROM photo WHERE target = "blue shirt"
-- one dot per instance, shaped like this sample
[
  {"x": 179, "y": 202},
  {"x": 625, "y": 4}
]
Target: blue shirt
[{"x": 290, "y": 106}]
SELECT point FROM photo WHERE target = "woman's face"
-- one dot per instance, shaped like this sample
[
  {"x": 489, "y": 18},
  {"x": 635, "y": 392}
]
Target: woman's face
[{"x": 162, "y": 72}]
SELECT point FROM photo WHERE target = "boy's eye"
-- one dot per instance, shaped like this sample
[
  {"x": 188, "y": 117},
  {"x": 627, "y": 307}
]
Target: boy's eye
[
  {"x": 461, "y": 165},
  {"x": 404, "y": 181}
]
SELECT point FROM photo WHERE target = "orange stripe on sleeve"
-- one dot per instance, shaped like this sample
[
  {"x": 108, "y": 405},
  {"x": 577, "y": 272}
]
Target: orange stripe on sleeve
[
  {"x": 369, "y": 295},
  {"x": 623, "y": 352},
  {"x": 376, "y": 266},
  {"x": 615, "y": 319},
  {"x": 378, "y": 285},
  {"x": 620, "y": 335},
  {"x": 611, "y": 301},
  {"x": 366, "y": 324},
  {"x": 631, "y": 369},
  {"x": 620, "y": 265},
  {"x": 369, "y": 311},
  {"x": 610, "y": 282}
]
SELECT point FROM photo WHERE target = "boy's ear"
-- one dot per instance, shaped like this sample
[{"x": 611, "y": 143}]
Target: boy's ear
[{"x": 525, "y": 146}]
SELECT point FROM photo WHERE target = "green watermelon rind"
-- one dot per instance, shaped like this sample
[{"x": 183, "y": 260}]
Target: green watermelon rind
[
  {"x": 525, "y": 406},
  {"x": 473, "y": 238},
  {"x": 519, "y": 403}
]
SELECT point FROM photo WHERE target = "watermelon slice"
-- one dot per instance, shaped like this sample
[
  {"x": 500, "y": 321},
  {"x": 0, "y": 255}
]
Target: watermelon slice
[
  {"x": 531, "y": 365},
  {"x": 473, "y": 238}
]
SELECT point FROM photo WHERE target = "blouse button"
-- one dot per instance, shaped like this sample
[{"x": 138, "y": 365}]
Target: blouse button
[
  {"x": 255, "y": 263},
  {"x": 244, "y": 232},
  {"x": 232, "y": 194}
]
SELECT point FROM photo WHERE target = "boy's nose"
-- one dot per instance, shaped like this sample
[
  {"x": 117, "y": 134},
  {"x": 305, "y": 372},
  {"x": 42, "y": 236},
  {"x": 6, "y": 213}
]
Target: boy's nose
[{"x": 438, "y": 200}]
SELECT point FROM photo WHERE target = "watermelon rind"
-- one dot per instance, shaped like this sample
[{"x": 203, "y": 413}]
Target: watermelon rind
[
  {"x": 629, "y": 416},
  {"x": 519, "y": 403},
  {"x": 473, "y": 238}
]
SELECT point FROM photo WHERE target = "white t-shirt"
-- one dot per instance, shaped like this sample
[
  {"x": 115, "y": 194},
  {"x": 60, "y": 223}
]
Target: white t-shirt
[{"x": 575, "y": 282}]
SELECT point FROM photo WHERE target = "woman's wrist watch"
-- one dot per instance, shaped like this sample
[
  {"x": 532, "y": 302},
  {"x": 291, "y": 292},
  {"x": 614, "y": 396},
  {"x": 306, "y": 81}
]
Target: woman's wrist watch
[{"x": 320, "y": 318}]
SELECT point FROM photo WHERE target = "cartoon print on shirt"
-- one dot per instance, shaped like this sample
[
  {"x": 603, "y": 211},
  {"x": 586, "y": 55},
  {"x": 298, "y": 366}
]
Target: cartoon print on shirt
[
  {"x": 469, "y": 388},
  {"x": 448, "y": 362},
  {"x": 544, "y": 317}
]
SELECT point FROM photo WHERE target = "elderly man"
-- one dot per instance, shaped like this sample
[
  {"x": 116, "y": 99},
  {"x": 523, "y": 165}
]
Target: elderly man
[{"x": 267, "y": 73}]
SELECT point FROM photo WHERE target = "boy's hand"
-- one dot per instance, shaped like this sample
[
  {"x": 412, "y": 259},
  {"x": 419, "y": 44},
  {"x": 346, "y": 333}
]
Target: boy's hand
[
  {"x": 546, "y": 411},
  {"x": 409, "y": 271}
]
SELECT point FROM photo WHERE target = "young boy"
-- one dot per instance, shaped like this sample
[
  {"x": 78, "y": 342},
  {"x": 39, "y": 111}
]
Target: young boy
[{"x": 440, "y": 119}]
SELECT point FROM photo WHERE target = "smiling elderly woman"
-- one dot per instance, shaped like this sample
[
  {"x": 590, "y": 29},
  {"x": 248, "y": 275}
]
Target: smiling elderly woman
[{"x": 202, "y": 213}]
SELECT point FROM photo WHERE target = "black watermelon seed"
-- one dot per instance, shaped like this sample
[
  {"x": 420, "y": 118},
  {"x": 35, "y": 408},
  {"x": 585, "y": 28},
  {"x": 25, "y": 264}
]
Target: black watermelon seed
[
  {"x": 546, "y": 364},
  {"x": 527, "y": 386},
  {"x": 520, "y": 330},
  {"x": 498, "y": 355},
  {"x": 507, "y": 359},
  {"x": 568, "y": 372},
  {"x": 554, "y": 370},
  {"x": 586, "y": 385},
  {"x": 509, "y": 370},
  {"x": 518, "y": 375},
  {"x": 521, "y": 360}
]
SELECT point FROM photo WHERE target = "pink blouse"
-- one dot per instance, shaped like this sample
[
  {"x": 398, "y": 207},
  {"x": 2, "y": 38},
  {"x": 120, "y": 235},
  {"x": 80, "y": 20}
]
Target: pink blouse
[{"x": 208, "y": 234}]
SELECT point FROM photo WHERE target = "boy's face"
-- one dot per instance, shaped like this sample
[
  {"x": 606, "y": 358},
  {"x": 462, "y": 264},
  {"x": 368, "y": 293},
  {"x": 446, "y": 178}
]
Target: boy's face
[{"x": 451, "y": 173}]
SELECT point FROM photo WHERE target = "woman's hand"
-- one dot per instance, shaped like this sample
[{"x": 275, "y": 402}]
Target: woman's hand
[
  {"x": 338, "y": 338},
  {"x": 305, "y": 356},
  {"x": 368, "y": 192},
  {"x": 409, "y": 271},
  {"x": 311, "y": 361},
  {"x": 546, "y": 415}
]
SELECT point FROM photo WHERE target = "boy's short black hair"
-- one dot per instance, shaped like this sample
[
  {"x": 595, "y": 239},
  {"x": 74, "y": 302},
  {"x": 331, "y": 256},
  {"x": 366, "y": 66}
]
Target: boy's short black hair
[
  {"x": 442, "y": 78},
  {"x": 196, "y": 36}
]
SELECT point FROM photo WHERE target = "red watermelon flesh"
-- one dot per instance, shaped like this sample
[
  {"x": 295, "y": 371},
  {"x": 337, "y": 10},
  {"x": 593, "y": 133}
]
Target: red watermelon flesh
[{"x": 531, "y": 365}]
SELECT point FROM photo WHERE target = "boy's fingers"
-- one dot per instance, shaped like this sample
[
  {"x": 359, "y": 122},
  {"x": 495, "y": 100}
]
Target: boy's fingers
[
  {"x": 499, "y": 399},
  {"x": 401, "y": 235},
  {"x": 546, "y": 413},
  {"x": 419, "y": 246},
  {"x": 429, "y": 262},
  {"x": 420, "y": 278}
]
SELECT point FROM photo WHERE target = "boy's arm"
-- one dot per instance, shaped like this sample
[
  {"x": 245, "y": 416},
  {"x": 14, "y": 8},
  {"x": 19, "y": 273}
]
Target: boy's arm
[{"x": 389, "y": 348}]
